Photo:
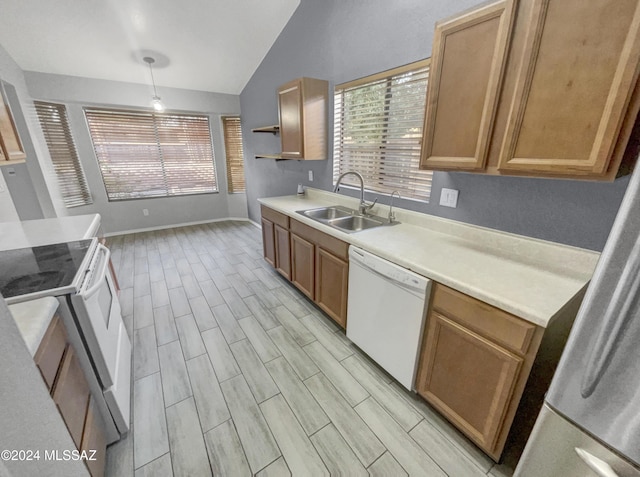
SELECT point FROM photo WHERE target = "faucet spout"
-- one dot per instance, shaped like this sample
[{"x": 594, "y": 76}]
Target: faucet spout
[{"x": 364, "y": 207}]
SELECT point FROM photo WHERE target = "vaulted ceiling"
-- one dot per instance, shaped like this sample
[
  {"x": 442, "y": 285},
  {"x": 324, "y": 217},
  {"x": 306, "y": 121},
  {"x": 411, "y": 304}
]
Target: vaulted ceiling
[{"x": 208, "y": 45}]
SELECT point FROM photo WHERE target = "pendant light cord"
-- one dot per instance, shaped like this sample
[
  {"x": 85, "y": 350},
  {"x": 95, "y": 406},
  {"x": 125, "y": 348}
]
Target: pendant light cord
[{"x": 153, "y": 82}]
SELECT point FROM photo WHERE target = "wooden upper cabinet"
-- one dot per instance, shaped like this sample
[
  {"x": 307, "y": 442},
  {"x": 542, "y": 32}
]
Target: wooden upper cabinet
[
  {"x": 467, "y": 64},
  {"x": 573, "y": 88},
  {"x": 302, "y": 109},
  {"x": 10, "y": 145}
]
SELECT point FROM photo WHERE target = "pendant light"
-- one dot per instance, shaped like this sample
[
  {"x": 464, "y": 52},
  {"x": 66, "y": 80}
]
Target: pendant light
[{"x": 156, "y": 102}]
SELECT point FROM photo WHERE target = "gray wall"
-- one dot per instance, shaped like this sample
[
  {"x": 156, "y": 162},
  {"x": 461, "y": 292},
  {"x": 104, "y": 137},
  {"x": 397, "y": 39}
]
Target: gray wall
[
  {"x": 343, "y": 40},
  {"x": 119, "y": 216}
]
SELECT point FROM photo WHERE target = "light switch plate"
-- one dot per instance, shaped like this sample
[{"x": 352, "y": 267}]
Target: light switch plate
[
  {"x": 449, "y": 197},
  {"x": 310, "y": 176}
]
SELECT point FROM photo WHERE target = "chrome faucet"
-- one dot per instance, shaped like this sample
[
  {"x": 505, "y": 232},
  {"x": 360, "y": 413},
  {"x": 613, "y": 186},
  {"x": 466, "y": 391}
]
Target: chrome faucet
[
  {"x": 392, "y": 216},
  {"x": 364, "y": 207}
]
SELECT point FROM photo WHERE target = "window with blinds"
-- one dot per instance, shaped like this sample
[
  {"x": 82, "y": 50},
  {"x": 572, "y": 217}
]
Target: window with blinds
[
  {"x": 145, "y": 154},
  {"x": 378, "y": 131},
  {"x": 232, "y": 130},
  {"x": 64, "y": 156}
]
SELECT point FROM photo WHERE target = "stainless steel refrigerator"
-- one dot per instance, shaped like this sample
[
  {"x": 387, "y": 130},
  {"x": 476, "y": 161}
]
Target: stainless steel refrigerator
[{"x": 590, "y": 422}]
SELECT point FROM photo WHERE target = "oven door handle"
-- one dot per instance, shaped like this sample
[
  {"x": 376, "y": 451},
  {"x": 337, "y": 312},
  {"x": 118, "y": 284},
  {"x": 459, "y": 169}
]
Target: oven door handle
[{"x": 96, "y": 286}]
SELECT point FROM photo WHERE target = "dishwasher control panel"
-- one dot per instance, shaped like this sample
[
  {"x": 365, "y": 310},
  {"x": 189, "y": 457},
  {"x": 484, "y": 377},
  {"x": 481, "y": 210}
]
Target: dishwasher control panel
[{"x": 388, "y": 269}]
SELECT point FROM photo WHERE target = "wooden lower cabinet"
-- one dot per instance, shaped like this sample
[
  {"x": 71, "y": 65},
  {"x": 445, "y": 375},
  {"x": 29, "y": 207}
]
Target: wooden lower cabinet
[
  {"x": 332, "y": 280},
  {"x": 93, "y": 440},
  {"x": 315, "y": 262},
  {"x": 303, "y": 265},
  {"x": 283, "y": 251},
  {"x": 61, "y": 371},
  {"x": 71, "y": 395},
  {"x": 468, "y": 378},
  {"x": 51, "y": 350},
  {"x": 268, "y": 242},
  {"x": 474, "y": 364}
]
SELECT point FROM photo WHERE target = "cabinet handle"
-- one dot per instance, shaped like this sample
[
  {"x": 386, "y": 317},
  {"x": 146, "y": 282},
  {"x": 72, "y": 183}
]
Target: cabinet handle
[{"x": 600, "y": 467}]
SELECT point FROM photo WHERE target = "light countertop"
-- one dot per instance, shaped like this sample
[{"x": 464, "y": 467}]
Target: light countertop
[
  {"x": 33, "y": 318},
  {"x": 530, "y": 278},
  {"x": 33, "y": 233}
]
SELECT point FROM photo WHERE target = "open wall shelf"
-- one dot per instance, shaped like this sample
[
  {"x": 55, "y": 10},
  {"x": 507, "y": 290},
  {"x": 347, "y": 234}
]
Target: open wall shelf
[{"x": 275, "y": 129}]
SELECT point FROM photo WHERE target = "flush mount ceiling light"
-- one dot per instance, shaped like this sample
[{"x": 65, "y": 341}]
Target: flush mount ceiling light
[{"x": 156, "y": 101}]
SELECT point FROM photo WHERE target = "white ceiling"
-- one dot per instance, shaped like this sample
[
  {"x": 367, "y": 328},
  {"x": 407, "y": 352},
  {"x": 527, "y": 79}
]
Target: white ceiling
[{"x": 210, "y": 45}]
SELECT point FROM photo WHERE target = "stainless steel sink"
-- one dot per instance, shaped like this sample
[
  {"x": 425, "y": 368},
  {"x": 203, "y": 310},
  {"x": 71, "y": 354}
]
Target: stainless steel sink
[
  {"x": 342, "y": 218},
  {"x": 356, "y": 223},
  {"x": 328, "y": 213}
]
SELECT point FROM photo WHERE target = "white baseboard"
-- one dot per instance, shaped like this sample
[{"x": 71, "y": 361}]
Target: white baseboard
[
  {"x": 184, "y": 224},
  {"x": 255, "y": 224}
]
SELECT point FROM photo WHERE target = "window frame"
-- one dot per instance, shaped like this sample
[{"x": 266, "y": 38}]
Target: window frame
[
  {"x": 134, "y": 112},
  {"x": 81, "y": 197},
  {"x": 230, "y": 188},
  {"x": 390, "y": 76}
]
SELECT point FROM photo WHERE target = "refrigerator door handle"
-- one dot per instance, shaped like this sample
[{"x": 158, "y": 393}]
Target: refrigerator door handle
[
  {"x": 614, "y": 319},
  {"x": 600, "y": 467}
]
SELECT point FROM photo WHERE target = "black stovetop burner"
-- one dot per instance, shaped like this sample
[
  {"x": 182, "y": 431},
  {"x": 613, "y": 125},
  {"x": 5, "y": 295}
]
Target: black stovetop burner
[{"x": 29, "y": 270}]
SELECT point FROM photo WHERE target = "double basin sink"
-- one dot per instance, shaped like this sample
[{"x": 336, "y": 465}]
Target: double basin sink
[{"x": 344, "y": 219}]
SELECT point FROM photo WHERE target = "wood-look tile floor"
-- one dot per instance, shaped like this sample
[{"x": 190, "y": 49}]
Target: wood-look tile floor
[{"x": 236, "y": 373}]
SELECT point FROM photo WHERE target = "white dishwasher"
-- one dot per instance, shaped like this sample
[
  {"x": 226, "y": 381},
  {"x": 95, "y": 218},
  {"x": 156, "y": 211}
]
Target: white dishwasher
[{"x": 386, "y": 313}]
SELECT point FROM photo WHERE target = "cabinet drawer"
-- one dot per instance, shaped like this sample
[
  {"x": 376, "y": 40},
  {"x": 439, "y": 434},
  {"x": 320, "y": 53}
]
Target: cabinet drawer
[
  {"x": 71, "y": 395},
  {"x": 50, "y": 351},
  {"x": 331, "y": 244},
  {"x": 275, "y": 217},
  {"x": 507, "y": 330}
]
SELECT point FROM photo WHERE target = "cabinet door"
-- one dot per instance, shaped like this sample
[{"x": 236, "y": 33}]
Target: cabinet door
[
  {"x": 467, "y": 378},
  {"x": 93, "y": 440},
  {"x": 283, "y": 253},
  {"x": 332, "y": 280},
  {"x": 9, "y": 139},
  {"x": 71, "y": 395},
  {"x": 469, "y": 54},
  {"x": 268, "y": 243},
  {"x": 50, "y": 351},
  {"x": 302, "y": 265},
  {"x": 290, "y": 112},
  {"x": 577, "y": 73}
]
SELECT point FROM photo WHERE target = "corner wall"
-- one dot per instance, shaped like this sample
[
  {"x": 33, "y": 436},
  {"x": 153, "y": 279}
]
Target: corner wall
[{"x": 343, "y": 40}]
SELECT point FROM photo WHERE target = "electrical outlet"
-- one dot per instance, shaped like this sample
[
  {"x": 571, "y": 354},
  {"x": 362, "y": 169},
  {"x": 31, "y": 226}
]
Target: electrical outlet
[
  {"x": 449, "y": 197},
  {"x": 145, "y": 212},
  {"x": 310, "y": 176}
]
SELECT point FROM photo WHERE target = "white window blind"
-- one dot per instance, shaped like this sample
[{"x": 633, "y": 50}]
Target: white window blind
[
  {"x": 378, "y": 131},
  {"x": 234, "y": 153},
  {"x": 64, "y": 156},
  {"x": 145, "y": 154}
]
